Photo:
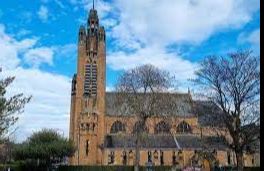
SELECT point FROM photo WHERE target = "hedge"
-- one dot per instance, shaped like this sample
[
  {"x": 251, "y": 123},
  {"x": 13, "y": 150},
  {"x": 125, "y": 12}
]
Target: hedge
[{"x": 16, "y": 167}]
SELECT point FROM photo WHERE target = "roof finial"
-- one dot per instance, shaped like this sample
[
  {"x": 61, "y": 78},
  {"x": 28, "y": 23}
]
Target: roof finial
[{"x": 93, "y": 4}]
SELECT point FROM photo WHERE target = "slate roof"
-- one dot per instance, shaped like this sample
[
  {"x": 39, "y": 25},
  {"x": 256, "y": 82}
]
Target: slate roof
[
  {"x": 252, "y": 129},
  {"x": 182, "y": 105},
  {"x": 195, "y": 142},
  {"x": 165, "y": 141},
  {"x": 209, "y": 114}
]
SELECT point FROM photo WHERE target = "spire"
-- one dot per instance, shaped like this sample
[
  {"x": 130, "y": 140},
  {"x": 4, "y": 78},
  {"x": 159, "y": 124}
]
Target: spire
[{"x": 93, "y": 20}]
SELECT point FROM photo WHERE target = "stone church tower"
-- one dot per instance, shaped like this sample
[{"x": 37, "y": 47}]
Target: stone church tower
[
  {"x": 105, "y": 137},
  {"x": 88, "y": 94}
]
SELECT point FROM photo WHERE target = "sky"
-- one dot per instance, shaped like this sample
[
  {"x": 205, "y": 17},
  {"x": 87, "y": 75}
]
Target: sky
[{"x": 38, "y": 43}]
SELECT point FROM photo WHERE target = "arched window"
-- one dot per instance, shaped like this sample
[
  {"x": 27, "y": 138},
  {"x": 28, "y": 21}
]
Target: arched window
[
  {"x": 184, "y": 127},
  {"x": 149, "y": 156},
  {"x": 139, "y": 127},
  {"x": 156, "y": 155},
  {"x": 180, "y": 154},
  {"x": 111, "y": 157},
  {"x": 87, "y": 147},
  {"x": 161, "y": 158},
  {"x": 174, "y": 161},
  {"x": 130, "y": 157},
  {"x": 117, "y": 127},
  {"x": 95, "y": 116},
  {"x": 162, "y": 127},
  {"x": 228, "y": 158},
  {"x": 124, "y": 158}
]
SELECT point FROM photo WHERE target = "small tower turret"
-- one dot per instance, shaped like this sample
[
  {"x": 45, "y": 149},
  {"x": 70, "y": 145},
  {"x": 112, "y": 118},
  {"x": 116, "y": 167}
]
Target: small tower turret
[
  {"x": 101, "y": 34},
  {"x": 82, "y": 35},
  {"x": 73, "y": 91}
]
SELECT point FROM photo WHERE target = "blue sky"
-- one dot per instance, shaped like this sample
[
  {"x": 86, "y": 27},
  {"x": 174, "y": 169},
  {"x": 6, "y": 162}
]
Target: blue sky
[{"x": 38, "y": 44}]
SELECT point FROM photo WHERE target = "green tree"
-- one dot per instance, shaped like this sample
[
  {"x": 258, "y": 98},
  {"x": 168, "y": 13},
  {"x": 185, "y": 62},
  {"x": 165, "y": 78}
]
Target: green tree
[
  {"x": 10, "y": 106},
  {"x": 46, "y": 146}
]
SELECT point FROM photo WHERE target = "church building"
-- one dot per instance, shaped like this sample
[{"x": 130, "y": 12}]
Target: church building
[{"x": 103, "y": 136}]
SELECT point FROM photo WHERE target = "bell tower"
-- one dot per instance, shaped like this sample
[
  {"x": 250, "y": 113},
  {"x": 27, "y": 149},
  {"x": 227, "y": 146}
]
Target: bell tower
[{"x": 88, "y": 94}]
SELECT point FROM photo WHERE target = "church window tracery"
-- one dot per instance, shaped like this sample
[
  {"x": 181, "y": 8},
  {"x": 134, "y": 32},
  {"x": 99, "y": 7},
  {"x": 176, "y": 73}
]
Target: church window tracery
[
  {"x": 162, "y": 127},
  {"x": 117, "y": 127},
  {"x": 184, "y": 127}
]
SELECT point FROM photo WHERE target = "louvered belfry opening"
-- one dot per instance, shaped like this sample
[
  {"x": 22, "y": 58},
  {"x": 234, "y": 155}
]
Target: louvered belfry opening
[
  {"x": 94, "y": 79},
  {"x": 90, "y": 81}
]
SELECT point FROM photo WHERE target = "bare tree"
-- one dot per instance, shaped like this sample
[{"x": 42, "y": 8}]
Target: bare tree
[
  {"x": 232, "y": 83},
  {"x": 139, "y": 93}
]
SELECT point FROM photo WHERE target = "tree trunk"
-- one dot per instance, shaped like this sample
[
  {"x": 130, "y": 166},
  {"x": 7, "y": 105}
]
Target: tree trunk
[
  {"x": 136, "y": 168},
  {"x": 240, "y": 162}
]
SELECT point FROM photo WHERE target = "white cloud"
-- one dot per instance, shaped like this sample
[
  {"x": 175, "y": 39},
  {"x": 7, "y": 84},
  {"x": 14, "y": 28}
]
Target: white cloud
[
  {"x": 148, "y": 26},
  {"x": 109, "y": 23},
  {"x": 145, "y": 26},
  {"x": 10, "y": 49},
  {"x": 253, "y": 38},
  {"x": 50, "y": 104},
  {"x": 49, "y": 107},
  {"x": 43, "y": 13},
  {"x": 156, "y": 56},
  {"x": 190, "y": 21},
  {"x": 68, "y": 50},
  {"x": 23, "y": 32},
  {"x": 59, "y": 3},
  {"x": 250, "y": 37},
  {"x": 101, "y": 6},
  {"x": 37, "y": 56},
  {"x": 109, "y": 88}
]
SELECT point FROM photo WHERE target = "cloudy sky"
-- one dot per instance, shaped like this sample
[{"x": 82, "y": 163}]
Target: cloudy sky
[{"x": 38, "y": 44}]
